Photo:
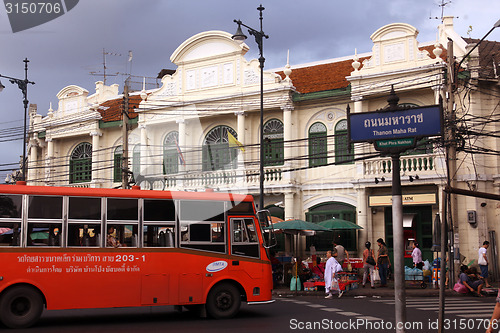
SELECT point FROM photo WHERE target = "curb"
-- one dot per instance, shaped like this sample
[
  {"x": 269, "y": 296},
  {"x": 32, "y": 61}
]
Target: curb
[{"x": 371, "y": 293}]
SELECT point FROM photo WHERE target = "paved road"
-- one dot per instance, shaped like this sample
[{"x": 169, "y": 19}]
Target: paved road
[
  {"x": 303, "y": 313},
  {"x": 377, "y": 314}
]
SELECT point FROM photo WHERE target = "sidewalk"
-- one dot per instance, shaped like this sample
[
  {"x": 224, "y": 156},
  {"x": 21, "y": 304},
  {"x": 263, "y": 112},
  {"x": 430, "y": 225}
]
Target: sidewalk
[{"x": 412, "y": 290}]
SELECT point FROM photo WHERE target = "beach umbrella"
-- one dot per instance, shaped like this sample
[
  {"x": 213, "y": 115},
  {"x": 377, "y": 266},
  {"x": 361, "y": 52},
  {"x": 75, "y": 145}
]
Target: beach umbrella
[
  {"x": 339, "y": 224},
  {"x": 298, "y": 225}
]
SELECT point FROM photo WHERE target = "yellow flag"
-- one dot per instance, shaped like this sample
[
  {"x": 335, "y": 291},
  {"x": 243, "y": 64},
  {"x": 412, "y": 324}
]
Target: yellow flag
[{"x": 233, "y": 142}]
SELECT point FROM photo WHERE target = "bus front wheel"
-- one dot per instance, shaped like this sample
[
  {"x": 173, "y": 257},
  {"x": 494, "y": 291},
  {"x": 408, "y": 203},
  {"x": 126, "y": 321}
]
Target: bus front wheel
[
  {"x": 223, "y": 301},
  {"x": 20, "y": 307}
]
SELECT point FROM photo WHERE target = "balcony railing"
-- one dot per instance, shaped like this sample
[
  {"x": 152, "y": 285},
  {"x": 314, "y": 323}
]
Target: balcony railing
[
  {"x": 213, "y": 179},
  {"x": 410, "y": 163}
]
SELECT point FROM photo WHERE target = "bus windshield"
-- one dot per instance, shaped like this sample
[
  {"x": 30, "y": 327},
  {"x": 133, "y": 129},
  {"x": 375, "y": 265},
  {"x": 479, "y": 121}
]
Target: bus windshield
[{"x": 266, "y": 227}]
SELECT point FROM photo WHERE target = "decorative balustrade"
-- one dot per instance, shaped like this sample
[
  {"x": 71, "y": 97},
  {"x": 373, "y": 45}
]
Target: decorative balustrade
[
  {"x": 409, "y": 163},
  {"x": 210, "y": 179}
]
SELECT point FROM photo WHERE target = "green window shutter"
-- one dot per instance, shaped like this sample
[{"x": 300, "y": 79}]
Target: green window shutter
[
  {"x": 273, "y": 143},
  {"x": 80, "y": 164},
  {"x": 343, "y": 151},
  {"x": 318, "y": 145}
]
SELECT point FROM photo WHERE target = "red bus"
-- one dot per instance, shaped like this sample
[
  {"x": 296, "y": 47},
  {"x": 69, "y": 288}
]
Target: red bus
[{"x": 72, "y": 248}]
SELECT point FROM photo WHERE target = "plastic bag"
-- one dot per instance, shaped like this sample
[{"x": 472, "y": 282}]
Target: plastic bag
[
  {"x": 374, "y": 275},
  {"x": 460, "y": 288},
  {"x": 335, "y": 284}
]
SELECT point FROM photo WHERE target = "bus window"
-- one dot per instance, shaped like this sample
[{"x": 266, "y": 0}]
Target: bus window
[
  {"x": 83, "y": 208},
  {"x": 251, "y": 232},
  {"x": 122, "y": 209},
  {"x": 242, "y": 208},
  {"x": 202, "y": 210},
  {"x": 239, "y": 231},
  {"x": 245, "y": 241},
  {"x": 159, "y": 210},
  {"x": 121, "y": 235},
  {"x": 218, "y": 233},
  {"x": 80, "y": 234},
  {"x": 11, "y": 206},
  {"x": 159, "y": 236},
  {"x": 203, "y": 236},
  {"x": 44, "y": 234},
  {"x": 44, "y": 207},
  {"x": 10, "y": 219},
  {"x": 10, "y": 233}
]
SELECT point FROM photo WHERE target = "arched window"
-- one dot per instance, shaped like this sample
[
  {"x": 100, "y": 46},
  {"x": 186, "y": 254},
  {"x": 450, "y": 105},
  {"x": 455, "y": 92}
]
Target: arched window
[
  {"x": 217, "y": 155},
  {"x": 273, "y": 143},
  {"x": 80, "y": 164},
  {"x": 318, "y": 145},
  {"x": 343, "y": 151},
  {"x": 170, "y": 153},
  {"x": 117, "y": 164}
]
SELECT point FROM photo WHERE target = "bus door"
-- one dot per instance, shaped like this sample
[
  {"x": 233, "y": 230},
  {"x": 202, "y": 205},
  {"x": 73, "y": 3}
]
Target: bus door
[{"x": 244, "y": 241}]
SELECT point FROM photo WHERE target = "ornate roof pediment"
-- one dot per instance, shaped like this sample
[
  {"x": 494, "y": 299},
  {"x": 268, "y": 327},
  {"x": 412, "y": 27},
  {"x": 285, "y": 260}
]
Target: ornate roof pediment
[
  {"x": 207, "y": 45},
  {"x": 395, "y": 47}
]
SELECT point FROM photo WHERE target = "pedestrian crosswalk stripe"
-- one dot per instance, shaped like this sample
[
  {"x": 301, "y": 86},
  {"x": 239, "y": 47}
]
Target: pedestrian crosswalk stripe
[
  {"x": 350, "y": 314},
  {"x": 449, "y": 306},
  {"x": 470, "y": 311},
  {"x": 434, "y": 307},
  {"x": 330, "y": 309},
  {"x": 476, "y": 315},
  {"x": 301, "y": 302},
  {"x": 369, "y": 318},
  {"x": 286, "y": 299},
  {"x": 316, "y": 306},
  {"x": 429, "y": 301}
]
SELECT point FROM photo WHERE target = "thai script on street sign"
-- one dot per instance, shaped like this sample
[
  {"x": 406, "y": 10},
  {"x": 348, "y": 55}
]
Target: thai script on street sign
[{"x": 408, "y": 123}]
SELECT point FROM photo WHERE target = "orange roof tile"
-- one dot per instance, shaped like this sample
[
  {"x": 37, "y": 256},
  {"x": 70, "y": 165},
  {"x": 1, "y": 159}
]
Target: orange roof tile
[
  {"x": 113, "y": 111},
  {"x": 330, "y": 76}
]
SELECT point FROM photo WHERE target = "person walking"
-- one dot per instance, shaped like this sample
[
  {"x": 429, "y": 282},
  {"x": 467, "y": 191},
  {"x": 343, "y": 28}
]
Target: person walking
[
  {"x": 368, "y": 264},
  {"x": 331, "y": 268},
  {"x": 483, "y": 262},
  {"x": 383, "y": 262},
  {"x": 416, "y": 254}
]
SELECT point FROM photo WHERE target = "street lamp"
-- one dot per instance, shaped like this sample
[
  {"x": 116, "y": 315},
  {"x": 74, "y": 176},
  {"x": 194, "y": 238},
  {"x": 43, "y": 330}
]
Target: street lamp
[
  {"x": 23, "y": 85},
  {"x": 259, "y": 39}
]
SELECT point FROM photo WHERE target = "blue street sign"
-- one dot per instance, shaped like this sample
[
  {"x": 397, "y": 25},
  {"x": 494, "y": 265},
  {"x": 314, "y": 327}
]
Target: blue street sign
[{"x": 398, "y": 124}]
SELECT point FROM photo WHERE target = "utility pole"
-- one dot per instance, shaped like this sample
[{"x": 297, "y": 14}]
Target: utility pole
[
  {"x": 125, "y": 136},
  {"x": 452, "y": 165},
  {"x": 451, "y": 207}
]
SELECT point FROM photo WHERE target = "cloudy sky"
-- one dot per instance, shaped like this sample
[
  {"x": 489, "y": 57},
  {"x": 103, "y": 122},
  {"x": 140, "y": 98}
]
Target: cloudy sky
[{"x": 66, "y": 50}]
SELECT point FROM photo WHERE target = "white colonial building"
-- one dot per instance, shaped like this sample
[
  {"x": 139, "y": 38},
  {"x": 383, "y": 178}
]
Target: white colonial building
[{"x": 179, "y": 134}]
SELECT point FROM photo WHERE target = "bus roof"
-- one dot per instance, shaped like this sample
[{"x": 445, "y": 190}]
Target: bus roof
[{"x": 135, "y": 192}]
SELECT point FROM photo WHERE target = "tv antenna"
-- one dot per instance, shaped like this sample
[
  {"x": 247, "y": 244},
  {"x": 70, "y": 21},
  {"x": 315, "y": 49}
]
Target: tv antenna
[
  {"x": 443, "y": 4},
  {"x": 104, "y": 74}
]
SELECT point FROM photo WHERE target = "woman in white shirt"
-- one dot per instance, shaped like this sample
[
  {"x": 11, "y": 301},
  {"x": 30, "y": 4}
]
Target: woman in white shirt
[{"x": 416, "y": 254}]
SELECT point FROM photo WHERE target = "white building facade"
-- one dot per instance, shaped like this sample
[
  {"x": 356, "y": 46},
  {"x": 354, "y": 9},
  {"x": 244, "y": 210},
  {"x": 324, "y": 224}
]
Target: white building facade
[{"x": 179, "y": 136}]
